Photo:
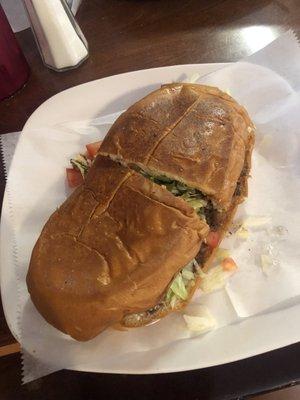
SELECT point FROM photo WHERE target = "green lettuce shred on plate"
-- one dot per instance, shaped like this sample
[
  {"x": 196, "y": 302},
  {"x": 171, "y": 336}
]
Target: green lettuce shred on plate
[{"x": 81, "y": 163}]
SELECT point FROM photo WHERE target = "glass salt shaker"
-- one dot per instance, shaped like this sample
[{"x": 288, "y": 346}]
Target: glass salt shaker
[{"x": 61, "y": 42}]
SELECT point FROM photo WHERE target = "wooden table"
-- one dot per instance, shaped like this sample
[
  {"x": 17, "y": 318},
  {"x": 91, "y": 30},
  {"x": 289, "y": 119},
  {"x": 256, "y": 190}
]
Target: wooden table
[{"x": 126, "y": 35}]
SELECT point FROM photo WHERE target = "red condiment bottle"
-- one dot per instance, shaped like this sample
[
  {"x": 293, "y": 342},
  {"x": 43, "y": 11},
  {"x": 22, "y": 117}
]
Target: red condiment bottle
[{"x": 14, "y": 70}]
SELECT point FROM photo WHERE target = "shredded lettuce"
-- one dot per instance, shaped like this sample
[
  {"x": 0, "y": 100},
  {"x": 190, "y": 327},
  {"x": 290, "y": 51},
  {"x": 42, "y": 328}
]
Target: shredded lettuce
[
  {"x": 242, "y": 233},
  {"x": 173, "y": 301},
  {"x": 81, "y": 163},
  {"x": 192, "y": 196},
  {"x": 216, "y": 278},
  {"x": 256, "y": 221},
  {"x": 222, "y": 253},
  {"x": 200, "y": 323},
  {"x": 180, "y": 284},
  {"x": 187, "y": 275},
  {"x": 177, "y": 292},
  {"x": 178, "y": 287}
]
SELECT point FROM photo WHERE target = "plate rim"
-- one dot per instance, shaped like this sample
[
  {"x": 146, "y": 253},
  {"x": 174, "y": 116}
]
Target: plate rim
[{"x": 29, "y": 125}]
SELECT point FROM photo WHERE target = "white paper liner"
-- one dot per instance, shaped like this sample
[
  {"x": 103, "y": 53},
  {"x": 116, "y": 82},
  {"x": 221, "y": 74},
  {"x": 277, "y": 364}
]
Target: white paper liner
[
  {"x": 274, "y": 112},
  {"x": 8, "y": 144}
]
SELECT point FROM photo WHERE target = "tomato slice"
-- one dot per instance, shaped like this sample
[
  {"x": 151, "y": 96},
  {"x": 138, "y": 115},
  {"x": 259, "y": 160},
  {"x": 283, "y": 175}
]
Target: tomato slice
[
  {"x": 74, "y": 177},
  {"x": 228, "y": 264},
  {"x": 213, "y": 239},
  {"x": 93, "y": 148}
]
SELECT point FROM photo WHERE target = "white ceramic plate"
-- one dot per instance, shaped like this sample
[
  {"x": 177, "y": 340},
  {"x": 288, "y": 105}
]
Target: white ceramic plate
[{"x": 253, "y": 336}]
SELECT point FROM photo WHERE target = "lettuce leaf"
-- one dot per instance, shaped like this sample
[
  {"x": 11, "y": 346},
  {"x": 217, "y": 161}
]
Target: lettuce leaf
[{"x": 178, "y": 287}]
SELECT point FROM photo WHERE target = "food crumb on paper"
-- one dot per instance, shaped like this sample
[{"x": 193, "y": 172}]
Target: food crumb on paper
[
  {"x": 217, "y": 276},
  {"x": 201, "y": 323}
]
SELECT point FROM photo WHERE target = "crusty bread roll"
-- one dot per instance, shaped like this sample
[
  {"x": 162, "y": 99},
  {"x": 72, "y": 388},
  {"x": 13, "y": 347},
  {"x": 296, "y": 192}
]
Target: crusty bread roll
[{"x": 108, "y": 255}]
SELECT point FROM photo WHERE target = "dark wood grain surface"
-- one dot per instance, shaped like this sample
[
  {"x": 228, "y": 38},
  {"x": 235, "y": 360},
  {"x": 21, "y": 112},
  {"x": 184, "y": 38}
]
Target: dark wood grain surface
[
  {"x": 232, "y": 381},
  {"x": 126, "y": 35}
]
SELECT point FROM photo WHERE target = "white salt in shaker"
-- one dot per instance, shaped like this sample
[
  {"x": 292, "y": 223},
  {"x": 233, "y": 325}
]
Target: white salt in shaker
[{"x": 58, "y": 36}]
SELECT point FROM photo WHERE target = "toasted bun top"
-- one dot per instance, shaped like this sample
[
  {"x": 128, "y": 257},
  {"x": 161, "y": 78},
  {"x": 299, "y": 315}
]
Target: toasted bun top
[
  {"x": 112, "y": 248},
  {"x": 192, "y": 133}
]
